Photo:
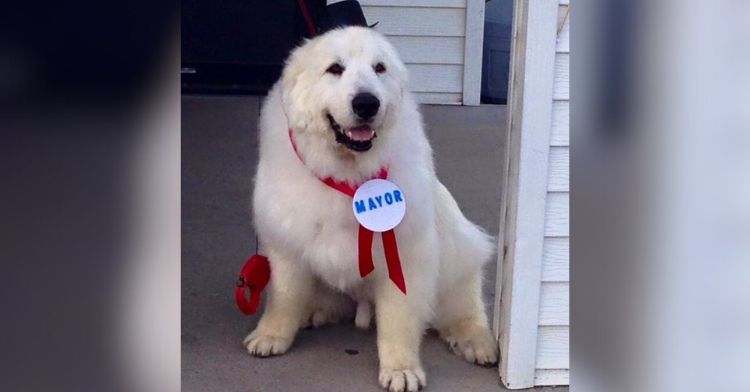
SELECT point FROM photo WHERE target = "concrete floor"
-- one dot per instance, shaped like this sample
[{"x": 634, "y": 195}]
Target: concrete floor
[{"x": 219, "y": 152}]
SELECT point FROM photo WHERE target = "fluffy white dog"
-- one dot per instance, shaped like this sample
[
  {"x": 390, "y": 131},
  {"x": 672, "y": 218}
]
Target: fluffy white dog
[{"x": 343, "y": 97}]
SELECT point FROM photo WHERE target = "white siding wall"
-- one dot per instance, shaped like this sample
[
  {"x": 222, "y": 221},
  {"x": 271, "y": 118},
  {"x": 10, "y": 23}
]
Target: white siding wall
[
  {"x": 552, "y": 362},
  {"x": 439, "y": 40}
]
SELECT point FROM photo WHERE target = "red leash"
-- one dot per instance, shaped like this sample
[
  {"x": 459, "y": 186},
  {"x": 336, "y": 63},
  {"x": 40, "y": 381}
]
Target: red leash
[
  {"x": 308, "y": 18},
  {"x": 256, "y": 272},
  {"x": 365, "y": 236},
  {"x": 254, "y": 277}
]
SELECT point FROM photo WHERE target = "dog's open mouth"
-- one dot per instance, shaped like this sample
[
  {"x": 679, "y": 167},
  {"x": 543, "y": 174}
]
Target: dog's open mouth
[{"x": 357, "y": 138}]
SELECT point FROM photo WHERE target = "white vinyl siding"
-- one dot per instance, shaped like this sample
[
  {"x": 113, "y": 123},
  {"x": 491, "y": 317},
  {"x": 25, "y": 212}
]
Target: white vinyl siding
[
  {"x": 554, "y": 305},
  {"x": 440, "y": 41},
  {"x": 560, "y": 124},
  {"x": 436, "y": 78},
  {"x": 558, "y": 177},
  {"x": 556, "y": 259},
  {"x": 552, "y": 377},
  {"x": 557, "y": 215},
  {"x": 552, "y": 362},
  {"x": 414, "y": 3},
  {"x": 561, "y": 90},
  {"x": 417, "y": 21},
  {"x": 429, "y": 50},
  {"x": 553, "y": 348},
  {"x": 439, "y": 98}
]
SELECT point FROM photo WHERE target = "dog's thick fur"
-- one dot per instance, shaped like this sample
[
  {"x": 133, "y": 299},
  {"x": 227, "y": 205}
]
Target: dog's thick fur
[{"x": 309, "y": 232}]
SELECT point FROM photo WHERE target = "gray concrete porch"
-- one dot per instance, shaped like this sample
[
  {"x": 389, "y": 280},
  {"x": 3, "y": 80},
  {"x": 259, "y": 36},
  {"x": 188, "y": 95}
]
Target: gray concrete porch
[{"x": 219, "y": 152}]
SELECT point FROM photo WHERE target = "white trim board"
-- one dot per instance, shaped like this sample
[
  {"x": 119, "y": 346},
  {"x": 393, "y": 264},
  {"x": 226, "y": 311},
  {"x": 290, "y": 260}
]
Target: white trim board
[
  {"x": 474, "y": 39},
  {"x": 530, "y": 127}
]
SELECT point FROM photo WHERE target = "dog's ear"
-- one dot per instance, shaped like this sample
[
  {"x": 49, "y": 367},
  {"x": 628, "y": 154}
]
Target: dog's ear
[
  {"x": 293, "y": 92},
  {"x": 395, "y": 65},
  {"x": 292, "y": 69}
]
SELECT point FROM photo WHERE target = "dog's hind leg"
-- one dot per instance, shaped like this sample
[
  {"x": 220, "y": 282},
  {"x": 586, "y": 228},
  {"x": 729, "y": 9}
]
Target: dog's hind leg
[
  {"x": 460, "y": 316},
  {"x": 329, "y": 306},
  {"x": 291, "y": 290},
  {"x": 462, "y": 321},
  {"x": 364, "y": 315}
]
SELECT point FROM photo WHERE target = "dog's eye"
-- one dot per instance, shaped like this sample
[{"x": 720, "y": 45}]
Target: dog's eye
[
  {"x": 335, "y": 69},
  {"x": 379, "y": 68}
]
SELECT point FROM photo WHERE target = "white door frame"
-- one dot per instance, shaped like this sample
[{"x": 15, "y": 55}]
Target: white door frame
[{"x": 521, "y": 236}]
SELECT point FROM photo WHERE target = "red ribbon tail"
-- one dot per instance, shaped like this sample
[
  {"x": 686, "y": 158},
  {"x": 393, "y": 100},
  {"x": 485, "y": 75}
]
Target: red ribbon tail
[
  {"x": 394, "y": 262},
  {"x": 366, "y": 264}
]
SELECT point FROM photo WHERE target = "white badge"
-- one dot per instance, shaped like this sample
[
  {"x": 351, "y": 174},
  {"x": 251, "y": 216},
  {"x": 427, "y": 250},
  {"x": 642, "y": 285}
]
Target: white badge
[{"x": 379, "y": 205}]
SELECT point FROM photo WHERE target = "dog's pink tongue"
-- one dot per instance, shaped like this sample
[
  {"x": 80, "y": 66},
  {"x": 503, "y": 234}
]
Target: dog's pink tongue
[{"x": 360, "y": 134}]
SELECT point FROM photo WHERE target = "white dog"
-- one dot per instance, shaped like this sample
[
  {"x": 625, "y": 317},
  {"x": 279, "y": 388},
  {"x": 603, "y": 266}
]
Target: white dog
[{"x": 343, "y": 100}]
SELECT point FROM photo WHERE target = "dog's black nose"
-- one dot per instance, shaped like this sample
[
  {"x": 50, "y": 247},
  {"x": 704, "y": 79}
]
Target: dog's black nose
[{"x": 365, "y": 105}]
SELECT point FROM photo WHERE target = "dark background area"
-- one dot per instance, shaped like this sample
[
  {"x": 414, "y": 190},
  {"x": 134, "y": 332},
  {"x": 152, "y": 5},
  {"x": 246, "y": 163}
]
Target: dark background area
[{"x": 239, "y": 46}]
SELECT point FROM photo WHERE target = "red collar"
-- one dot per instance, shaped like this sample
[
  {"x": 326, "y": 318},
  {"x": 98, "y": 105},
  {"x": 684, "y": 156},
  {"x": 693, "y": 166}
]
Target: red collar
[{"x": 343, "y": 187}]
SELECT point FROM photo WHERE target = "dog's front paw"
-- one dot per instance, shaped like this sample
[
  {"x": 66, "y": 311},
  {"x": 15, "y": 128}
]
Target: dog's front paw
[
  {"x": 473, "y": 342},
  {"x": 264, "y": 345},
  {"x": 400, "y": 380}
]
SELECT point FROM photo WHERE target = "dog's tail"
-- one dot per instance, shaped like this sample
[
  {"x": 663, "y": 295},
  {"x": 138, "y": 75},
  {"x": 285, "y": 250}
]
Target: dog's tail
[{"x": 465, "y": 239}]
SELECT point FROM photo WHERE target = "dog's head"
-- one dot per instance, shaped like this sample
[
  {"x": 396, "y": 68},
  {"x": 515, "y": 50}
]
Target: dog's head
[{"x": 343, "y": 88}]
